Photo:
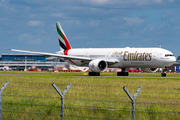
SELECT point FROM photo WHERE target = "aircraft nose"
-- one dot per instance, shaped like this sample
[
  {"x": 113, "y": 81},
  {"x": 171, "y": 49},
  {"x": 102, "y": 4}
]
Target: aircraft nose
[
  {"x": 174, "y": 59},
  {"x": 170, "y": 61}
]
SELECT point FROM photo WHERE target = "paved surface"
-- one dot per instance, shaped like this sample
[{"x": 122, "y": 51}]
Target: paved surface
[{"x": 93, "y": 76}]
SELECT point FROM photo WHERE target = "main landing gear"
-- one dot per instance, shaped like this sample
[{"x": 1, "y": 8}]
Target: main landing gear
[
  {"x": 164, "y": 74},
  {"x": 94, "y": 74},
  {"x": 122, "y": 73}
]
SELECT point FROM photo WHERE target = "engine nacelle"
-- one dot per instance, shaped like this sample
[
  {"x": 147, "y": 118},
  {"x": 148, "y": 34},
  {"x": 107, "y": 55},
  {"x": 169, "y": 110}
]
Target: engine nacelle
[
  {"x": 149, "y": 70},
  {"x": 98, "y": 65}
]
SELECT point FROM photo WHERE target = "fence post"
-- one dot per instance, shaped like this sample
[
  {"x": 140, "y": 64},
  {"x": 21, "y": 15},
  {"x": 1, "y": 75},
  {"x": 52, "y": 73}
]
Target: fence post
[
  {"x": 3, "y": 87},
  {"x": 62, "y": 97},
  {"x": 132, "y": 99}
]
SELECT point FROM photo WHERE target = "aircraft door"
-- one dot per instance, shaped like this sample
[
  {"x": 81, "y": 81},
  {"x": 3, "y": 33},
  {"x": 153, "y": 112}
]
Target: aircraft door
[
  {"x": 108, "y": 55},
  {"x": 155, "y": 56}
]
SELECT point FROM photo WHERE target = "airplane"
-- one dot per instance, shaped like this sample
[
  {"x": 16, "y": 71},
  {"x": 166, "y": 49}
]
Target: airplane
[
  {"x": 99, "y": 59},
  {"x": 5, "y": 68}
]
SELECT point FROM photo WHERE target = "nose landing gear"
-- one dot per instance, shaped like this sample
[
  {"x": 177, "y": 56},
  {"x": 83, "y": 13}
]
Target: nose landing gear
[{"x": 163, "y": 74}]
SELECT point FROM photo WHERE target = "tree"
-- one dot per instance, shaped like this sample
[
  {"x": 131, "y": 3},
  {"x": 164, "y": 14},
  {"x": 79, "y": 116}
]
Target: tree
[{"x": 178, "y": 58}]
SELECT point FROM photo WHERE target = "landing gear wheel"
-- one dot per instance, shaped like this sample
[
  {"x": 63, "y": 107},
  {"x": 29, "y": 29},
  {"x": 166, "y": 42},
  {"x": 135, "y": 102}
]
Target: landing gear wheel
[
  {"x": 122, "y": 73},
  {"x": 94, "y": 74},
  {"x": 163, "y": 74}
]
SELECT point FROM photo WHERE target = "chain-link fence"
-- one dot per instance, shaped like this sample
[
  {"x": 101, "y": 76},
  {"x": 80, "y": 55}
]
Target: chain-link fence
[{"x": 30, "y": 100}]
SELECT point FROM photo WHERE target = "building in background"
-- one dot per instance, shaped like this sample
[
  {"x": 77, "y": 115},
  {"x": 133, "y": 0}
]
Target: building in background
[
  {"x": 175, "y": 67},
  {"x": 23, "y": 57},
  {"x": 29, "y": 62}
]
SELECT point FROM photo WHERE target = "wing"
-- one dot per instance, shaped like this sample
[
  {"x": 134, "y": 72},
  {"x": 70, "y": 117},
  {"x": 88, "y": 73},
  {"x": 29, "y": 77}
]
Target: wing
[{"x": 88, "y": 59}]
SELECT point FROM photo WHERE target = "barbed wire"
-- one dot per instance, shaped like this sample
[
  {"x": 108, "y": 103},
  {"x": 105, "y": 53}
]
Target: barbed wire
[
  {"x": 90, "y": 108},
  {"x": 90, "y": 99},
  {"x": 141, "y": 96},
  {"x": 153, "y": 112},
  {"x": 112, "y": 91}
]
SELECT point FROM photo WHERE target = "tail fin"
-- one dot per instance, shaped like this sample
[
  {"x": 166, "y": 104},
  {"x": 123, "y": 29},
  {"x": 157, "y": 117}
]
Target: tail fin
[{"x": 63, "y": 42}]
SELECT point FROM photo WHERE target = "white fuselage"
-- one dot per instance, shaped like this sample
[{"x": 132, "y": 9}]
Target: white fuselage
[{"x": 127, "y": 57}]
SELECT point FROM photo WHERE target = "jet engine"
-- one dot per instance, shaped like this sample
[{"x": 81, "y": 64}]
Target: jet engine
[
  {"x": 98, "y": 65},
  {"x": 149, "y": 70}
]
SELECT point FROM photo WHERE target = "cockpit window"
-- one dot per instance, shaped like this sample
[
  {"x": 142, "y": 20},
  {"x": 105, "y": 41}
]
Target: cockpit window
[{"x": 166, "y": 55}]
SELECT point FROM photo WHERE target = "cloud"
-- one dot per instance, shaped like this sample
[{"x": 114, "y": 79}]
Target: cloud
[
  {"x": 121, "y": 21},
  {"x": 171, "y": 18},
  {"x": 99, "y": 2},
  {"x": 132, "y": 4},
  {"x": 57, "y": 14},
  {"x": 133, "y": 21},
  {"x": 94, "y": 23},
  {"x": 34, "y": 23},
  {"x": 30, "y": 39}
]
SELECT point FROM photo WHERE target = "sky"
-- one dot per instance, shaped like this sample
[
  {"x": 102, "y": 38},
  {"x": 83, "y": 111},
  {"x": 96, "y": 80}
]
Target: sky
[{"x": 30, "y": 24}]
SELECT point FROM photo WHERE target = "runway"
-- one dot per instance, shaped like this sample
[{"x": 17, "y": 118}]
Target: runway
[{"x": 89, "y": 76}]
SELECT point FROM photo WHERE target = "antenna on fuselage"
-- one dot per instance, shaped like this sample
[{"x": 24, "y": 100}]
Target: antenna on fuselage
[{"x": 160, "y": 45}]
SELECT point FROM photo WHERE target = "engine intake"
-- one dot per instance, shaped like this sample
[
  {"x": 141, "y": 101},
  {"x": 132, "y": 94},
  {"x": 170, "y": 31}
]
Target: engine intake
[{"x": 98, "y": 65}]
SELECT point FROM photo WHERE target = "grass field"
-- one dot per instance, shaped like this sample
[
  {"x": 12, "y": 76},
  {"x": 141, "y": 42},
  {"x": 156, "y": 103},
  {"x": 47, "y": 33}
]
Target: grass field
[{"x": 32, "y": 96}]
